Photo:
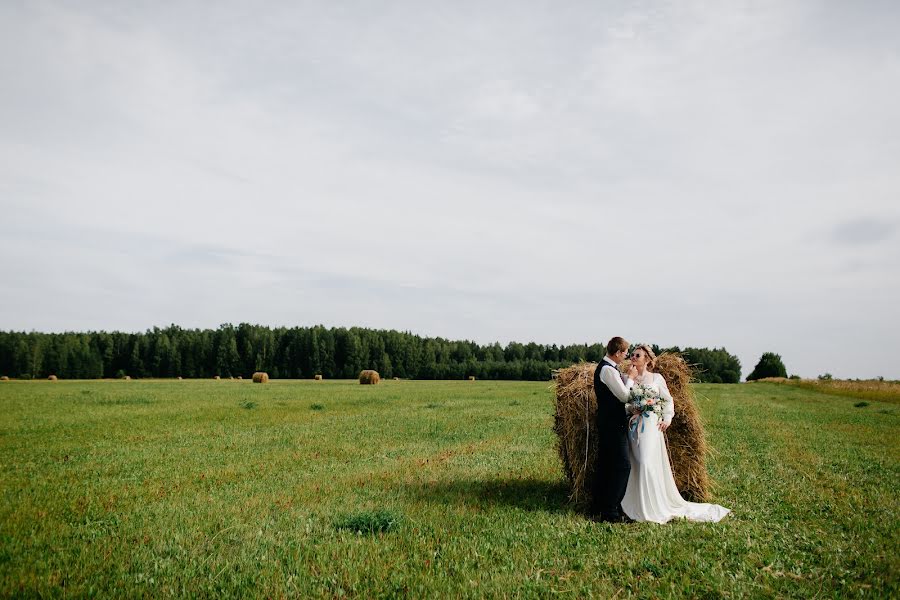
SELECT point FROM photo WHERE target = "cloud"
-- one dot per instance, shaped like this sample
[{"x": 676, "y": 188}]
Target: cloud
[
  {"x": 541, "y": 172},
  {"x": 864, "y": 231}
]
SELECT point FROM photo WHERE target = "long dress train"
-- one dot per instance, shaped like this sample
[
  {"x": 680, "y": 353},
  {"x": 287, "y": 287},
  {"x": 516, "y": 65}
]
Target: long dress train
[{"x": 651, "y": 494}]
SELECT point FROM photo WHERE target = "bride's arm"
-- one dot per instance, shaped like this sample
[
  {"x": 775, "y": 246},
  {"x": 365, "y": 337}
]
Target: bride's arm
[{"x": 669, "y": 406}]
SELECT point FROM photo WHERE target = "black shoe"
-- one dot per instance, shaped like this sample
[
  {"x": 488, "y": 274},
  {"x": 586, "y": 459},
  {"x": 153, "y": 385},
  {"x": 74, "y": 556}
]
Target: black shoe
[{"x": 611, "y": 518}]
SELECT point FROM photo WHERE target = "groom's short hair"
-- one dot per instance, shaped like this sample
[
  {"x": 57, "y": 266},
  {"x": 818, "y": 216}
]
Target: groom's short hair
[{"x": 616, "y": 344}]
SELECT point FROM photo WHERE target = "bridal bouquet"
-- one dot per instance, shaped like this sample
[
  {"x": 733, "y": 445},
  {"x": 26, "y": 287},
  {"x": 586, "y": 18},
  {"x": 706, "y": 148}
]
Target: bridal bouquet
[{"x": 643, "y": 400}]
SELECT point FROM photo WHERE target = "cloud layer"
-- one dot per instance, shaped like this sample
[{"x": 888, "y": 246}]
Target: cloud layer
[{"x": 684, "y": 173}]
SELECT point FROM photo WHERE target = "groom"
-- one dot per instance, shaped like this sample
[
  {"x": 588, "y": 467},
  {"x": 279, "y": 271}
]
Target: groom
[{"x": 611, "y": 426}]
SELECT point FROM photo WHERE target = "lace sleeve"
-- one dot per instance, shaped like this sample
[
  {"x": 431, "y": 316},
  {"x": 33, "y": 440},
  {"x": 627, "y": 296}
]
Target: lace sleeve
[{"x": 669, "y": 406}]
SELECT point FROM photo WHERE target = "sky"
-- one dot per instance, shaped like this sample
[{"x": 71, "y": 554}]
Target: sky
[{"x": 688, "y": 173}]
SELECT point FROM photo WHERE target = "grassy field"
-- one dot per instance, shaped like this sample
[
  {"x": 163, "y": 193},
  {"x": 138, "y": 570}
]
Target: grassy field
[
  {"x": 222, "y": 488},
  {"x": 869, "y": 389}
]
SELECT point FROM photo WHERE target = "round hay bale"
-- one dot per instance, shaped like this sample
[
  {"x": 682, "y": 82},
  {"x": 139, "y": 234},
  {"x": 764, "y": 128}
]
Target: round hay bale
[
  {"x": 396, "y": 379},
  {"x": 216, "y": 377},
  {"x": 260, "y": 377},
  {"x": 52, "y": 378},
  {"x": 575, "y": 409},
  {"x": 239, "y": 377},
  {"x": 318, "y": 378},
  {"x": 231, "y": 378},
  {"x": 4, "y": 378},
  {"x": 179, "y": 378},
  {"x": 369, "y": 377},
  {"x": 127, "y": 378},
  {"x": 471, "y": 378}
]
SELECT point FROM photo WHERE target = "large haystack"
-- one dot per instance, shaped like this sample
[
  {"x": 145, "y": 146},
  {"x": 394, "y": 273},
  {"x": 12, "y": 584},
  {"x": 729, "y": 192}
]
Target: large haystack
[
  {"x": 576, "y": 406},
  {"x": 260, "y": 377},
  {"x": 369, "y": 377},
  {"x": 573, "y": 423}
]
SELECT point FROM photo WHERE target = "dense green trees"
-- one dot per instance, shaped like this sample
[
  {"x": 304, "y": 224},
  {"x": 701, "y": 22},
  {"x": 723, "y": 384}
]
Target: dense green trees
[
  {"x": 300, "y": 352},
  {"x": 769, "y": 365},
  {"x": 713, "y": 365}
]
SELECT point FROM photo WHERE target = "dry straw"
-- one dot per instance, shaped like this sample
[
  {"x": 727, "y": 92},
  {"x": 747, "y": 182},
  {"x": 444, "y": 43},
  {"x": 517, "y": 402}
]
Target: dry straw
[
  {"x": 217, "y": 377},
  {"x": 471, "y": 378},
  {"x": 127, "y": 378},
  {"x": 369, "y": 377},
  {"x": 4, "y": 378},
  {"x": 260, "y": 377},
  {"x": 239, "y": 377},
  {"x": 52, "y": 378},
  {"x": 576, "y": 407},
  {"x": 318, "y": 378}
]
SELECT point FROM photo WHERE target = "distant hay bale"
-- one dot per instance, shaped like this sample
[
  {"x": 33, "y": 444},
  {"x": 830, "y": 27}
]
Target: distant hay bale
[
  {"x": 179, "y": 378},
  {"x": 471, "y": 378},
  {"x": 4, "y": 378},
  {"x": 576, "y": 406},
  {"x": 369, "y": 377},
  {"x": 127, "y": 377},
  {"x": 52, "y": 378},
  {"x": 231, "y": 378},
  {"x": 318, "y": 378},
  {"x": 240, "y": 377},
  {"x": 216, "y": 377},
  {"x": 260, "y": 377},
  {"x": 396, "y": 379}
]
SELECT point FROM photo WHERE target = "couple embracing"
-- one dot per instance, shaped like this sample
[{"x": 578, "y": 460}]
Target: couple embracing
[{"x": 633, "y": 474}]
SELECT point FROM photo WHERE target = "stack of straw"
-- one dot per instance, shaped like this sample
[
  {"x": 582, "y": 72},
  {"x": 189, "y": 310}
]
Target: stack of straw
[
  {"x": 369, "y": 377},
  {"x": 574, "y": 424}
]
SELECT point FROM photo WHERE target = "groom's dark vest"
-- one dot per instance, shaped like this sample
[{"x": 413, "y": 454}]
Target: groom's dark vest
[{"x": 610, "y": 410}]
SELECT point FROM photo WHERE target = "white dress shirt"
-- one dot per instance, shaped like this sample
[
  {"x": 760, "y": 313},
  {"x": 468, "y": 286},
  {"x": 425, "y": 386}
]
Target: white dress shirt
[{"x": 611, "y": 379}]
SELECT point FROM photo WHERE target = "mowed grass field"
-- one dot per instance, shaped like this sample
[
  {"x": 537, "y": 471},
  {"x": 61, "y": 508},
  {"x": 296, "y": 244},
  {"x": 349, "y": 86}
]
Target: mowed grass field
[{"x": 234, "y": 489}]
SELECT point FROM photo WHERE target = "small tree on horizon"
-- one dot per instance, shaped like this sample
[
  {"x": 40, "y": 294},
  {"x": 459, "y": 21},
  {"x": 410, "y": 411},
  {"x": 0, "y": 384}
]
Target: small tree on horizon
[{"x": 769, "y": 365}]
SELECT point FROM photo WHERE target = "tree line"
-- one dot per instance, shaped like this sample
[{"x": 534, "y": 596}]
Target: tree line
[{"x": 302, "y": 352}]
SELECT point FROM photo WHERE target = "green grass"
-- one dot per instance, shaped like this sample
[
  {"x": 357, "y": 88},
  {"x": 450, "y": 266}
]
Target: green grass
[
  {"x": 867, "y": 389},
  {"x": 377, "y": 521},
  {"x": 221, "y": 488}
]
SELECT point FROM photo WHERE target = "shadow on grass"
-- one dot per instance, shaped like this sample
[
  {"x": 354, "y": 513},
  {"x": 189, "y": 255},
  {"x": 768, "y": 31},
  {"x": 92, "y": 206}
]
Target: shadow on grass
[{"x": 526, "y": 494}]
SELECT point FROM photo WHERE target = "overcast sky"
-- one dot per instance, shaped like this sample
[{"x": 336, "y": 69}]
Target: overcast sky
[{"x": 682, "y": 173}]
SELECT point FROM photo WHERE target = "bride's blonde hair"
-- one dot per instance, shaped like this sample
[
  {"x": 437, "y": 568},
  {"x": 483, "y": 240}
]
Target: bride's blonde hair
[{"x": 651, "y": 356}]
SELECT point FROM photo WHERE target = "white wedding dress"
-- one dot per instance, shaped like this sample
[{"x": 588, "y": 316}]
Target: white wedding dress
[{"x": 651, "y": 494}]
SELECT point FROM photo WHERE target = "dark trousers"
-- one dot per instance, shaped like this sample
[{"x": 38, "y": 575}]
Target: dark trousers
[{"x": 613, "y": 464}]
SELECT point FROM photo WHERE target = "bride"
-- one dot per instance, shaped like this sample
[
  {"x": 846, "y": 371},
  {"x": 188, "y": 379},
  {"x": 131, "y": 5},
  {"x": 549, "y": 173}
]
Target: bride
[{"x": 651, "y": 494}]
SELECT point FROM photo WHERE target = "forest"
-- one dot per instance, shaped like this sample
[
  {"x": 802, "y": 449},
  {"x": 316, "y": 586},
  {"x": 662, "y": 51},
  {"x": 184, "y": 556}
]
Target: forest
[{"x": 303, "y": 352}]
